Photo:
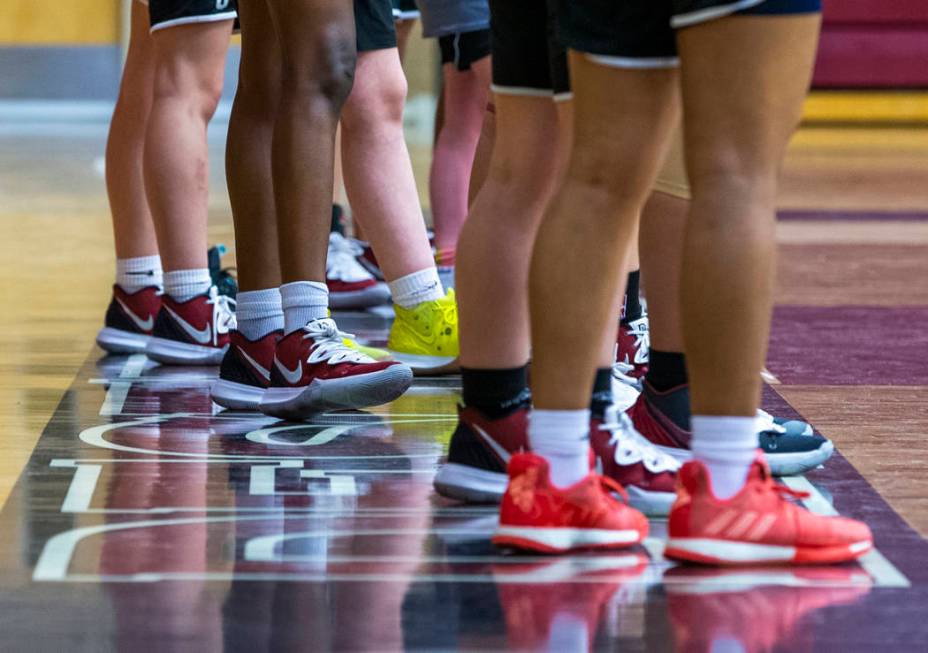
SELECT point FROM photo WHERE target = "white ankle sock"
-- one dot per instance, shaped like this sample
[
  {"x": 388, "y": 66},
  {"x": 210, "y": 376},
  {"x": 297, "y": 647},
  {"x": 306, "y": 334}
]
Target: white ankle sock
[
  {"x": 259, "y": 312},
  {"x": 415, "y": 288},
  {"x": 133, "y": 274},
  {"x": 184, "y": 285},
  {"x": 562, "y": 437},
  {"x": 726, "y": 446},
  {"x": 303, "y": 302}
]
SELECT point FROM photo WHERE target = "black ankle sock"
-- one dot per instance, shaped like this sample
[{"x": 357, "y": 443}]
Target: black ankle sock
[
  {"x": 632, "y": 310},
  {"x": 666, "y": 370},
  {"x": 338, "y": 219},
  {"x": 602, "y": 393},
  {"x": 496, "y": 393}
]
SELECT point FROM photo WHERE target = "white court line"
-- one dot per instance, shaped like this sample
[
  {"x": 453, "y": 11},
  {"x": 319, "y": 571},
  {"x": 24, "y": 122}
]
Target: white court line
[
  {"x": 884, "y": 573},
  {"x": 768, "y": 376},
  {"x": 116, "y": 395}
]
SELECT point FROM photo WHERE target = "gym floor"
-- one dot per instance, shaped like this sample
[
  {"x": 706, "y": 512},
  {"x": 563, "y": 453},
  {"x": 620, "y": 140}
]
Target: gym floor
[{"x": 135, "y": 515}]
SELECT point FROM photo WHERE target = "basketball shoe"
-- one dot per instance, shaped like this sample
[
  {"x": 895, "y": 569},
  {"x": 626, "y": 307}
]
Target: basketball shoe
[
  {"x": 351, "y": 286},
  {"x": 632, "y": 348},
  {"x": 365, "y": 256},
  {"x": 245, "y": 372},
  {"x": 648, "y": 475},
  {"x": 426, "y": 336},
  {"x": 479, "y": 452},
  {"x": 129, "y": 320},
  {"x": 537, "y": 516},
  {"x": 789, "y": 451},
  {"x": 314, "y": 371},
  {"x": 759, "y": 525},
  {"x": 195, "y": 332}
]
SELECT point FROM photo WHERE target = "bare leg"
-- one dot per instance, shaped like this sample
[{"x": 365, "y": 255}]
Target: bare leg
[
  {"x": 663, "y": 222},
  {"x": 317, "y": 42},
  {"x": 377, "y": 168},
  {"x": 496, "y": 242},
  {"x": 248, "y": 151},
  {"x": 403, "y": 32},
  {"x": 190, "y": 63},
  {"x": 465, "y": 94},
  {"x": 133, "y": 229},
  {"x": 481, "y": 167},
  {"x": 744, "y": 81},
  {"x": 611, "y": 183}
]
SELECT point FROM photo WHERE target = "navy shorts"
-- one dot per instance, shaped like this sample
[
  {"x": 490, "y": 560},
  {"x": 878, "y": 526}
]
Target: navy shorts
[
  {"x": 374, "y": 25},
  {"x": 640, "y": 33},
  {"x": 463, "y": 49},
  {"x": 405, "y": 10},
  {"x": 168, "y": 13},
  {"x": 528, "y": 58}
]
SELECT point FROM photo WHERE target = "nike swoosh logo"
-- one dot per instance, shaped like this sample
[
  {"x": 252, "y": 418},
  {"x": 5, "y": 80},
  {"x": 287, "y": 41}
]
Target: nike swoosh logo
[
  {"x": 144, "y": 325},
  {"x": 201, "y": 336},
  {"x": 493, "y": 444},
  {"x": 293, "y": 376},
  {"x": 266, "y": 373}
]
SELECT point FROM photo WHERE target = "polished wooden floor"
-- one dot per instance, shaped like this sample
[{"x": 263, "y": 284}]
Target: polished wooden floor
[{"x": 140, "y": 525}]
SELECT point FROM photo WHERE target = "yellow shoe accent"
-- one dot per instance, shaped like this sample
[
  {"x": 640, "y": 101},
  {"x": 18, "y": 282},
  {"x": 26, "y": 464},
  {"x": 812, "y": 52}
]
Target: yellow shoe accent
[
  {"x": 427, "y": 335},
  {"x": 373, "y": 352}
]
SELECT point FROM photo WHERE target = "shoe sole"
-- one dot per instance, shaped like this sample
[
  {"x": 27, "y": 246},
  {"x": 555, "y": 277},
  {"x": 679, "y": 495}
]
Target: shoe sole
[
  {"x": 422, "y": 365},
  {"x": 559, "y": 540},
  {"x": 710, "y": 551},
  {"x": 117, "y": 341},
  {"x": 651, "y": 504},
  {"x": 236, "y": 396},
  {"x": 360, "y": 391},
  {"x": 470, "y": 484},
  {"x": 171, "y": 352},
  {"x": 781, "y": 464},
  {"x": 371, "y": 296}
]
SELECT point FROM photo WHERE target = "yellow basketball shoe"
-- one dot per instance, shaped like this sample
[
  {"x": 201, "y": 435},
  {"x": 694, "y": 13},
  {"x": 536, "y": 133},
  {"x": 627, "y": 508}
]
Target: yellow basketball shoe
[
  {"x": 373, "y": 352},
  {"x": 426, "y": 336}
]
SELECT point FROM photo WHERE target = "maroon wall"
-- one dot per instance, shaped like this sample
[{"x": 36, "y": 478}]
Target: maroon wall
[{"x": 874, "y": 44}]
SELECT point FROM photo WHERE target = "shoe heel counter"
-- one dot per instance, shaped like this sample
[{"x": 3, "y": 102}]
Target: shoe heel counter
[
  {"x": 116, "y": 319},
  {"x": 466, "y": 448},
  {"x": 232, "y": 369}
]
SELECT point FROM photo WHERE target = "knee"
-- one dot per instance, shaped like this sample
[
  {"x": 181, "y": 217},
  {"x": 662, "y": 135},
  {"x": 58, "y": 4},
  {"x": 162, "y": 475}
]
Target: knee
[
  {"x": 738, "y": 177},
  {"x": 325, "y": 74},
  {"x": 190, "y": 84},
  {"x": 376, "y": 100}
]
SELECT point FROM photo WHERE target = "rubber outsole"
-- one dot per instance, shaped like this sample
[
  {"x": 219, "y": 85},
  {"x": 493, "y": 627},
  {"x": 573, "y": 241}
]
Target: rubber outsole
[
  {"x": 117, "y": 341},
  {"x": 781, "y": 464},
  {"x": 171, "y": 352},
  {"x": 469, "y": 484},
  {"x": 236, "y": 396},
  {"x": 707, "y": 551},
  {"x": 560, "y": 540},
  {"x": 360, "y": 391}
]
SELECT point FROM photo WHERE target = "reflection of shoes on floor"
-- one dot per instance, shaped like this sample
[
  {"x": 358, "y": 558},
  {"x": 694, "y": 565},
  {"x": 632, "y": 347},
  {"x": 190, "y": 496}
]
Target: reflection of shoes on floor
[
  {"x": 537, "y": 516},
  {"x": 129, "y": 320},
  {"x": 557, "y": 605},
  {"x": 351, "y": 286},
  {"x": 632, "y": 352},
  {"x": 314, "y": 371},
  {"x": 759, "y": 525},
  {"x": 426, "y": 336},
  {"x": 754, "y": 610},
  {"x": 479, "y": 451},
  {"x": 788, "y": 449},
  {"x": 195, "y": 332},
  {"x": 245, "y": 371},
  {"x": 648, "y": 475}
]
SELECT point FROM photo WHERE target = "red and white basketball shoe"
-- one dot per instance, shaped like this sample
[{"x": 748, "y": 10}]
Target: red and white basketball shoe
[
  {"x": 351, "y": 286},
  {"x": 648, "y": 475},
  {"x": 245, "y": 372},
  {"x": 129, "y": 320},
  {"x": 537, "y": 516},
  {"x": 632, "y": 350},
  {"x": 478, "y": 454},
  {"x": 195, "y": 332},
  {"x": 314, "y": 371},
  {"x": 759, "y": 525}
]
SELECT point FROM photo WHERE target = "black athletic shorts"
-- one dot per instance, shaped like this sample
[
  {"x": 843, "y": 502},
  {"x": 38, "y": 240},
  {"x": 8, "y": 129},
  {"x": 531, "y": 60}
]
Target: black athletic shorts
[
  {"x": 168, "y": 13},
  {"x": 373, "y": 21},
  {"x": 528, "y": 58},
  {"x": 464, "y": 48},
  {"x": 640, "y": 33},
  {"x": 405, "y": 10}
]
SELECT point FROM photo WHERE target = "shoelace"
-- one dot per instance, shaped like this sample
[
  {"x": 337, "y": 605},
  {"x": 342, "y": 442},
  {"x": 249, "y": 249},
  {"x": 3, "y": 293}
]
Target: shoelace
[
  {"x": 223, "y": 313},
  {"x": 632, "y": 447},
  {"x": 611, "y": 486},
  {"x": 342, "y": 263},
  {"x": 640, "y": 328},
  {"x": 329, "y": 344},
  {"x": 784, "y": 491}
]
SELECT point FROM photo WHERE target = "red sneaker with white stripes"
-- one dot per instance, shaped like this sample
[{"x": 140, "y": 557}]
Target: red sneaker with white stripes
[
  {"x": 537, "y": 516},
  {"x": 245, "y": 372},
  {"x": 759, "y": 525},
  {"x": 194, "y": 332},
  {"x": 632, "y": 352},
  {"x": 129, "y": 320},
  {"x": 314, "y": 371}
]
